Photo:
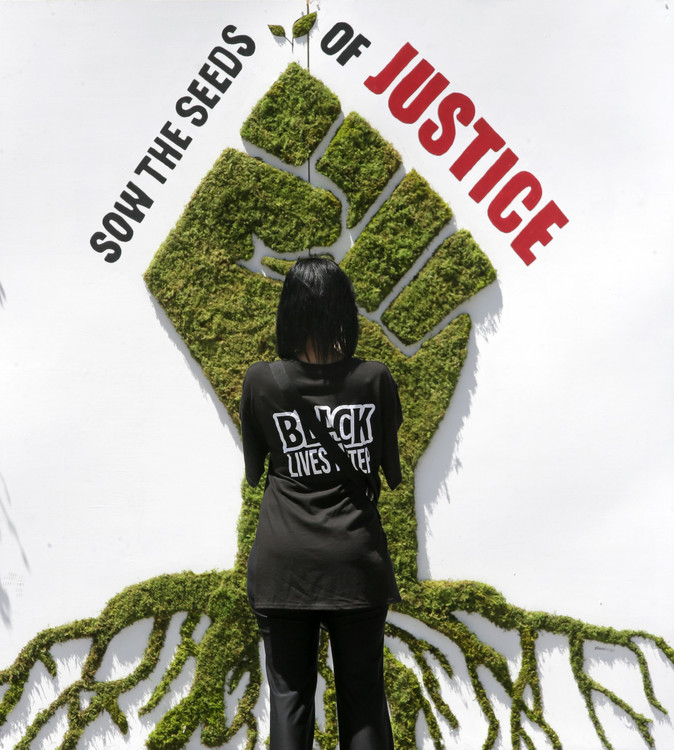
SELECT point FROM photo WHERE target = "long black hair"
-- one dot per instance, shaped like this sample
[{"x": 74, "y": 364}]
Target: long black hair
[{"x": 317, "y": 306}]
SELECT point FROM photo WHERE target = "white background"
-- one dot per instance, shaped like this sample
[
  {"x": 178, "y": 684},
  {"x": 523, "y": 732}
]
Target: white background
[{"x": 551, "y": 476}]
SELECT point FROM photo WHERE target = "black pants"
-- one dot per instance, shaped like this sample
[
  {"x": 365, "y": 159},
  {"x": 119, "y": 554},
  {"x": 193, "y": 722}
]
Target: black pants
[{"x": 291, "y": 648}]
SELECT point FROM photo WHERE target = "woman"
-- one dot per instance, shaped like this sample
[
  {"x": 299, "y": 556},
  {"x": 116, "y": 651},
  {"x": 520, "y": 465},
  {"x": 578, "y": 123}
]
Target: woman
[{"x": 320, "y": 554}]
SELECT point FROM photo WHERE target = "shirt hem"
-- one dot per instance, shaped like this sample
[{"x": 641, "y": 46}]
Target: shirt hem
[{"x": 324, "y": 605}]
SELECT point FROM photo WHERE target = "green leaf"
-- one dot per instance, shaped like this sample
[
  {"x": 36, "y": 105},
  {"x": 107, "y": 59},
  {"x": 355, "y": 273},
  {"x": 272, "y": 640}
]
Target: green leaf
[
  {"x": 304, "y": 24},
  {"x": 277, "y": 30}
]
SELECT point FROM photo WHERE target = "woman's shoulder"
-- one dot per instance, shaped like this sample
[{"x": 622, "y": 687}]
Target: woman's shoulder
[
  {"x": 257, "y": 367},
  {"x": 372, "y": 369},
  {"x": 256, "y": 373},
  {"x": 260, "y": 373}
]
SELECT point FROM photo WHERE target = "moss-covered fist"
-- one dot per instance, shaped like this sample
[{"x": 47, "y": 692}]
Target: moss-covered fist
[{"x": 225, "y": 312}]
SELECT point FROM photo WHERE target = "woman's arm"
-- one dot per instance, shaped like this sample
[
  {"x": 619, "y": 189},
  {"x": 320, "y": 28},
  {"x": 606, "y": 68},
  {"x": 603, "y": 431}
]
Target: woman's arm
[
  {"x": 255, "y": 447},
  {"x": 392, "y": 418}
]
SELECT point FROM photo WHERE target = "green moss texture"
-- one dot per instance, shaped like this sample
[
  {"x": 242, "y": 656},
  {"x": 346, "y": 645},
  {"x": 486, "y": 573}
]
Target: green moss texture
[
  {"x": 227, "y": 660},
  {"x": 361, "y": 163},
  {"x": 303, "y": 25},
  {"x": 454, "y": 273},
  {"x": 395, "y": 237},
  {"x": 293, "y": 117}
]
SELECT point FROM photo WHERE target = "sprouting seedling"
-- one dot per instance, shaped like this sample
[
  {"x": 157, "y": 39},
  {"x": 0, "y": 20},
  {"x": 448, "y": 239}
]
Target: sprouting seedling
[{"x": 301, "y": 27}]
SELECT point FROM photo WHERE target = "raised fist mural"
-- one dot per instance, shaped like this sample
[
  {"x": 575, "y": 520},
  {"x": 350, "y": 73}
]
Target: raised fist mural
[{"x": 318, "y": 179}]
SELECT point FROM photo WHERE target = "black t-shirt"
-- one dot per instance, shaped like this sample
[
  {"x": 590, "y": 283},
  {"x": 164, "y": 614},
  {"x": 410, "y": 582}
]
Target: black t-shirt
[{"x": 317, "y": 546}]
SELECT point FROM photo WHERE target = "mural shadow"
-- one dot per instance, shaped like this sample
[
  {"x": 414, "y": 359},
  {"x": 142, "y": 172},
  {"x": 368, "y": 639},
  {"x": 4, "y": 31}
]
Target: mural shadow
[
  {"x": 195, "y": 368},
  {"x": 442, "y": 455},
  {"x": 41, "y": 690},
  {"x": 10, "y": 578}
]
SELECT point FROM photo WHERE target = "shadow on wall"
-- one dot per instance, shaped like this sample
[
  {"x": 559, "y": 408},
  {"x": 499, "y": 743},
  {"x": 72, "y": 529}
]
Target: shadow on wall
[
  {"x": 5, "y": 607},
  {"x": 11, "y": 580},
  {"x": 441, "y": 456},
  {"x": 195, "y": 369}
]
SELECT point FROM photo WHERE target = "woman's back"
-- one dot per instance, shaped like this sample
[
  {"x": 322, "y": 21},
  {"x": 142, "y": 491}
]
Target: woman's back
[{"x": 319, "y": 542}]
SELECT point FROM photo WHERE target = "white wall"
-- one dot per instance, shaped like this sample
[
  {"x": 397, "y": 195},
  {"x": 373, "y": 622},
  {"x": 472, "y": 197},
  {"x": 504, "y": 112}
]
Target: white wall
[{"x": 551, "y": 476}]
